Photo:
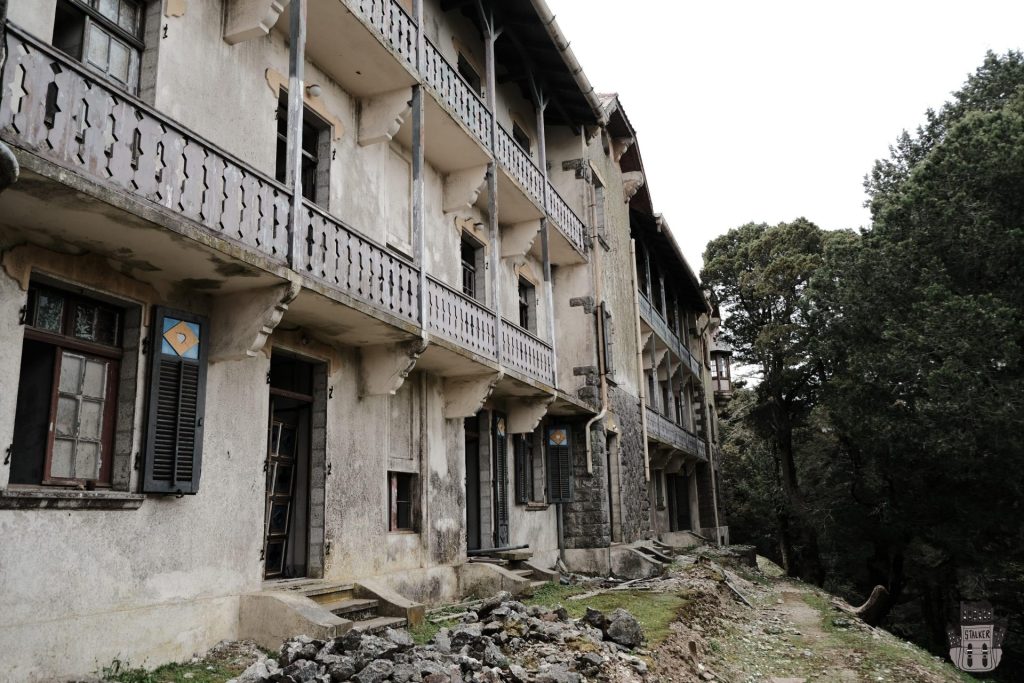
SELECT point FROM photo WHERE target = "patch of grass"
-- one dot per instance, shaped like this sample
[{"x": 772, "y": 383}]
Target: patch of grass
[
  {"x": 201, "y": 672},
  {"x": 654, "y": 611},
  {"x": 423, "y": 633}
]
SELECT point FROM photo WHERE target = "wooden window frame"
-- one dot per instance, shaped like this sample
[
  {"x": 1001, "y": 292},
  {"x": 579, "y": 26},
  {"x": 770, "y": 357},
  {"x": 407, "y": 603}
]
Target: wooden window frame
[
  {"x": 66, "y": 341},
  {"x": 477, "y": 267},
  {"x": 528, "y": 147},
  {"x": 393, "y": 501},
  {"x": 317, "y": 192},
  {"x": 133, "y": 39}
]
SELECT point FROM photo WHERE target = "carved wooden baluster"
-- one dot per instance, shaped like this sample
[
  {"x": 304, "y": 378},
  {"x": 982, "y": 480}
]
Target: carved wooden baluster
[
  {"x": 282, "y": 213},
  {"x": 190, "y": 199},
  {"x": 66, "y": 113},
  {"x": 249, "y": 226},
  {"x": 334, "y": 253},
  {"x": 149, "y": 160},
  {"x": 214, "y": 169},
  {"x": 37, "y": 77},
  {"x": 172, "y": 176},
  {"x": 231, "y": 216},
  {"x": 123, "y": 132}
]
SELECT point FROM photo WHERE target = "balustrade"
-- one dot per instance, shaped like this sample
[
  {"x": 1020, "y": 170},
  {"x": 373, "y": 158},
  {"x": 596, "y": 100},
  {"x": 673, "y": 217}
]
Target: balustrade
[
  {"x": 526, "y": 353},
  {"x": 664, "y": 430}
]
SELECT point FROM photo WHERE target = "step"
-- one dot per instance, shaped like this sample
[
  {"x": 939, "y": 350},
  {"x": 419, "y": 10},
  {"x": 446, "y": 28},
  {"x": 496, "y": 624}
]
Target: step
[
  {"x": 654, "y": 554},
  {"x": 534, "y": 585},
  {"x": 515, "y": 555},
  {"x": 329, "y": 593},
  {"x": 486, "y": 559},
  {"x": 350, "y": 605},
  {"x": 525, "y": 573},
  {"x": 379, "y": 624}
]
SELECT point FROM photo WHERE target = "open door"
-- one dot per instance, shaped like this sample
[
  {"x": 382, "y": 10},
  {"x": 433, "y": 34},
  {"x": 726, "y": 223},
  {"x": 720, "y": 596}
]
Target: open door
[
  {"x": 501, "y": 512},
  {"x": 472, "y": 429},
  {"x": 678, "y": 502}
]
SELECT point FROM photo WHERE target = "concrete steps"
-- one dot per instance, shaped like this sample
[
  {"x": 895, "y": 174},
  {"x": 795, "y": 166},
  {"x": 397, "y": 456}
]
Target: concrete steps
[{"x": 377, "y": 624}]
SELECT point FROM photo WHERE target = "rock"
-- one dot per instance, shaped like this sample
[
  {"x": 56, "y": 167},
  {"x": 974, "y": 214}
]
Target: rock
[
  {"x": 501, "y": 611},
  {"x": 595, "y": 618},
  {"x": 561, "y": 613},
  {"x": 348, "y": 642},
  {"x": 374, "y": 647},
  {"x": 426, "y": 669},
  {"x": 494, "y": 657},
  {"x": 492, "y": 627},
  {"x": 342, "y": 669},
  {"x": 377, "y": 671},
  {"x": 299, "y": 648},
  {"x": 399, "y": 637},
  {"x": 624, "y": 629},
  {"x": 442, "y": 641},
  {"x": 464, "y": 634},
  {"x": 470, "y": 617},
  {"x": 518, "y": 673},
  {"x": 403, "y": 673},
  {"x": 492, "y": 603},
  {"x": 301, "y": 671},
  {"x": 589, "y": 661},
  {"x": 258, "y": 671},
  {"x": 437, "y": 678},
  {"x": 558, "y": 673}
]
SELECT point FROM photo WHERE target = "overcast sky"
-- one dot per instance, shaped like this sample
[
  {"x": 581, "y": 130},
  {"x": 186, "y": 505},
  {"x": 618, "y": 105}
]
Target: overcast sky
[{"x": 765, "y": 111}]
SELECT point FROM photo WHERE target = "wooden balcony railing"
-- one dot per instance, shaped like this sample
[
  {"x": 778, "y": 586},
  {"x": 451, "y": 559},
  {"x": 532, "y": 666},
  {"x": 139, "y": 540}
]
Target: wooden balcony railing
[
  {"x": 460, "y": 319},
  {"x": 393, "y": 23},
  {"x": 661, "y": 328},
  {"x": 65, "y": 114},
  {"x": 456, "y": 93},
  {"x": 355, "y": 265},
  {"x": 55, "y": 108},
  {"x": 566, "y": 219},
  {"x": 526, "y": 353},
  {"x": 519, "y": 165},
  {"x": 667, "y": 432}
]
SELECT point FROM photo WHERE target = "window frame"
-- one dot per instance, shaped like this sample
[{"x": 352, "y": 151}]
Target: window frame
[
  {"x": 65, "y": 341},
  {"x": 477, "y": 267},
  {"x": 462, "y": 60},
  {"x": 393, "y": 502},
  {"x": 527, "y": 304},
  {"x": 133, "y": 40},
  {"x": 320, "y": 171},
  {"x": 522, "y": 133}
]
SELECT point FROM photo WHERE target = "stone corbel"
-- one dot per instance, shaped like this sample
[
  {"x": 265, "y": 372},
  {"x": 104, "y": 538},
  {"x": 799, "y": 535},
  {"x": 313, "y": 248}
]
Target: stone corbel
[
  {"x": 525, "y": 414},
  {"x": 383, "y": 368},
  {"x": 631, "y": 183},
  {"x": 659, "y": 457},
  {"x": 675, "y": 462},
  {"x": 659, "y": 355},
  {"x": 465, "y": 396},
  {"x": 620, "y": 146},
  {"x": 248, "y": 19},
  {"x": 241, "y": 323},
  {"x": 461, "y": 188},
  {"x": 517, "y": 239},
  {"x": 645, "y": 337},
  {"x": 667, "y": 373},
  {"x": 382, "y": 115}
]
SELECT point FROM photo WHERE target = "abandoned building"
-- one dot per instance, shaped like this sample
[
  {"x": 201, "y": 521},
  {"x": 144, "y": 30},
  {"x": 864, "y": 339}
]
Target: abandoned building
[{"x": 314, "y": 305}]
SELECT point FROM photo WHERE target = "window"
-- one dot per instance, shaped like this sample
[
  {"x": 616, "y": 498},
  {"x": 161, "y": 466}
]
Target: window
[
  {"x": 659, "y": 489},
  {"x": 472, "y": 254},
  {"x": 527, "y": 305},
  {"x": 470, "y": 75},
  {"x": 558, "y": 441},
  {"x": 315, "y": 152},
  {"x": 529, "y": 469},
  {"x": 608, "y": 336},
  {"x": 67, "y": 390},
  {"x": 105, "y": 35},
  {"x": 402, "y": 501},
  {"x": 521, "y": 137}
]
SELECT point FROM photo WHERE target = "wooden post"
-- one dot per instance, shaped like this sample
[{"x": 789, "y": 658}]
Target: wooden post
[{"x": 296, "y": 63}]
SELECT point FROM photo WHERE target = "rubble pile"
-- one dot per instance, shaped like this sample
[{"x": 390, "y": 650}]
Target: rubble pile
[{"x": 502, "y": 640}]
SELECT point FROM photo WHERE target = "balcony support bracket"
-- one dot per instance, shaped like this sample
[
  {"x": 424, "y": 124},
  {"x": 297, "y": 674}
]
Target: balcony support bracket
[
  {"x": 517, "y": 239},
  {"x": 383, "y": 368},
  {"x": 525, "y": 414},
  {"x": 248, "y": 19},
  {"x": 465, "y": 396},
  {"x": 241, "y": 323},
  {"x": 632, "y": 181},
  {"x": 383, "y": 115},
  {"x": 462, "y": 187}
]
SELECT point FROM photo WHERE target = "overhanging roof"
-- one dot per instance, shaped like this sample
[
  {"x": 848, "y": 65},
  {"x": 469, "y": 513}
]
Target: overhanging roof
[{"x": 532, "y": 47}]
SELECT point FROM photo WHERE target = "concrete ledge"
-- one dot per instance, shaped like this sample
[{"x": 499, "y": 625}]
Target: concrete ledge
[
  {"x": 630, "y": 563},
  {"x": 391, "y": 603},
  {"x": 271, "y": 617},
  {"x": 546, "y": 574},
  {"x": 681, "y": 539},
  {"x": 68, "y": 499},
  {"x": 482, "y": 579}
]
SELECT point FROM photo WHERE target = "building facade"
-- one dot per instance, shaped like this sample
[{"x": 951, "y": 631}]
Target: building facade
[{"x": 319, "y": 300}]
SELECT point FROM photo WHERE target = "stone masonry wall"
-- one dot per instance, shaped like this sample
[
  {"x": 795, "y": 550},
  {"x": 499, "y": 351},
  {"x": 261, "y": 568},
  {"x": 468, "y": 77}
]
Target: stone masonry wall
[
  {"x": 634, "y": 505},
  {"x": 586, "y": 519}
]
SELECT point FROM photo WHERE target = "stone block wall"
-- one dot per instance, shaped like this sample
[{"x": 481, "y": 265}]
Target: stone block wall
[{"x": 586, "y": 522}]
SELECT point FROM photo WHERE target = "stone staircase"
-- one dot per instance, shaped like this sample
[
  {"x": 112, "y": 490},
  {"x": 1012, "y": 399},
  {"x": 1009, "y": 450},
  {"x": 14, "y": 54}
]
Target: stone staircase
[
  {"x": 518, "y": 562},
  {"x": 340, "y": 600}
]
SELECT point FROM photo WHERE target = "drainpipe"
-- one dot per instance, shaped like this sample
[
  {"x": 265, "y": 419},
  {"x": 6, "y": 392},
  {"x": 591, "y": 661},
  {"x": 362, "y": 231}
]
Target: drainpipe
[
  {"x": 641, "y": 380},
  {"x": 597, "y": 249},
  {"x": 418, "y": 141},
  {"x": 8, "y": 163},
  {"x": 492, "y": 181},
  {"x": 296, "y": 64},
  {"x": 549, "y": 297}
]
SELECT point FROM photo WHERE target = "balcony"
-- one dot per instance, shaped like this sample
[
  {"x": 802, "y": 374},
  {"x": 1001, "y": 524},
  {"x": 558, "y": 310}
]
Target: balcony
[
  {"x": 68, "y": 117},
  {"x": 661, "y": 328},
  {"x": 664, "y": 431},
  {"x": 448, "y": 151}
]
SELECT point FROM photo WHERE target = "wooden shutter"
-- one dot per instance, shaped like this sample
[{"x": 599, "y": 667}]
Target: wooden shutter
[
  {"x": 521, "y": 467},
  {"x": 501, "y": 479},
  {"x": 178, "y": 348},
  {"x": 559, "y": 449}
]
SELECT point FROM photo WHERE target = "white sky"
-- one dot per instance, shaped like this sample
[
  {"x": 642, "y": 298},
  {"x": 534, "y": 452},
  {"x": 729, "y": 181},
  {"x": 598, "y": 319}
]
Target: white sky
[{"x": 765, "y": 111}]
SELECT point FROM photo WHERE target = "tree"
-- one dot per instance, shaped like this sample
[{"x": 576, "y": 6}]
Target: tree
[
  {"x": 758, "y": 274},
  {"x": 921, "y": 339}
]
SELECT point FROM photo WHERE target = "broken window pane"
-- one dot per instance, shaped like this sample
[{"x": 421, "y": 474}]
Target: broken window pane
[
  {"x": 61, "y": 465},
  {"x": 66, "y": 423},
  {"x": 95, "y": 379},
  {"x": 70, "y": 373},
  {"x": 90, "y": 420},
  {"x": 87, "y": 460}
]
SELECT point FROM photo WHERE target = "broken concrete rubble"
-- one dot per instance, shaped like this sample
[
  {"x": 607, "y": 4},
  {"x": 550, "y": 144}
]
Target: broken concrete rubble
[{"x": 502, "y": 641}]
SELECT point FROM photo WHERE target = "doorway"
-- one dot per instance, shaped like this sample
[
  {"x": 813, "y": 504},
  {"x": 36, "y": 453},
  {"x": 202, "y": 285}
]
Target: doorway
[
  {"x": 472, "y": 429},
  {"x": 287, "y": 546},
  {"x": 678, "y": 502},
  {"x": 500, "y": 465}
]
